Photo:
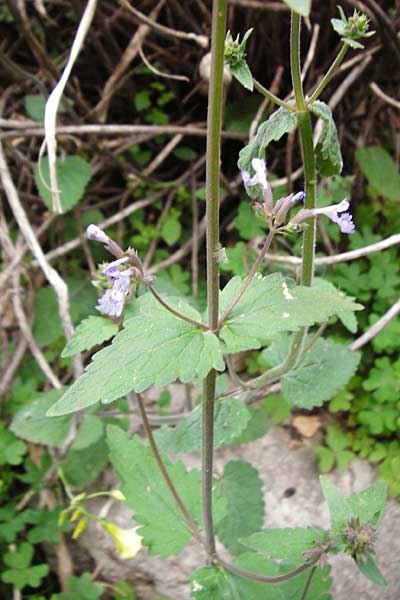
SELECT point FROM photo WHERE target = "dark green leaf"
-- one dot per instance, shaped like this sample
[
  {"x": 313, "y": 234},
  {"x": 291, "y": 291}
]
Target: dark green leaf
[
  {"x": 243, "y": 490},
  {"x": 73, "y": 175},
  {"x": 140, "y": 355},
  {"x": 243, "y": 74},
  {"x": 81, "y": 588},
  {"x": 329, "y": 158},
  {"x": 380, "y": 170},
  {"x": 82, "y": 467},
  {"x": 369, "y": 568},
  {"x": 164, "y": 531},
  {"x": 90, "y": 332}
]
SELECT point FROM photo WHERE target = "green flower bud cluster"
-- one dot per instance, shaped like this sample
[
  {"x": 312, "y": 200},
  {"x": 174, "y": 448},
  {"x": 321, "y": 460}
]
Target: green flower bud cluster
[
  {"x": 235, "y": 51},
  {"x": 352, "y": 28}
]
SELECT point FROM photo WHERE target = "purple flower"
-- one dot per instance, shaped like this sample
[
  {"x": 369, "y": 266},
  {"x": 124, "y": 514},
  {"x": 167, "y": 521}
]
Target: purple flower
[
  {"x": 344, "y": 220},
  {"x": 112, "y": 269},
  {"x": 113, "y": 300},
  {"x": 260, "y": 178},
  {"x": 95, "y": 233}
]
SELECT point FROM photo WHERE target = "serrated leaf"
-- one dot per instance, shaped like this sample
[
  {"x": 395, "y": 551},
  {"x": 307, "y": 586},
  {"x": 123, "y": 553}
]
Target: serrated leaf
[
  {"x": 348, "y": 319},
  {"x": 329, "y": 157},
  {"x": 154, "y": 348},
  {"x": 286, "y": 543},
  {"x": 339, "y": 509},
  {"x": 243, "y": 490},
  {"x": 90, "y": 332},
  {"x": 32, "y": 424},
  {"x": 271, "y": 305},
  {"x": 280, "y": 122},
  {"x": 73, "y": 175},
  {"x": 242, "y": 73},
  {"x": 369, "y": 568},
  {"x": 302, "y": 7},
  {"x": 256, "y": 428},
  {"x": 164, "y": 531},
  {"x": 380, "y": 170},
  {"x": 321, "y": 373},
  {"x": 231, "y": 419}
]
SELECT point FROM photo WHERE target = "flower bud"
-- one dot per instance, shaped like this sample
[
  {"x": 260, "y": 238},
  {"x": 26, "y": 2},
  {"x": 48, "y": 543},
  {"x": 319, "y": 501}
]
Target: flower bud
[{"x": 127, "y": 542}]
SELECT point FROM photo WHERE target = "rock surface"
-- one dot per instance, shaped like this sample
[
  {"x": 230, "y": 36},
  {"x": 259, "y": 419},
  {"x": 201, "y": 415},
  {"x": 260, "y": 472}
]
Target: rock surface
[{"x": 293, "y": 497}]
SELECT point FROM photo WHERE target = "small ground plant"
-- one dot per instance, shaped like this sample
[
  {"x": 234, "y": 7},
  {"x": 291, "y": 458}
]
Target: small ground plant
[{"x": 159, "y": 338}]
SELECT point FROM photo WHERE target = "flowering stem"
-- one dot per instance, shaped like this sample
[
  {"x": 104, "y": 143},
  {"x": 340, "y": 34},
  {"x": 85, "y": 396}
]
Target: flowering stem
[
  {"x": 248, "y": 279},
  {"x": 263, "y": 578},
  {"x": 308, "y": 582},
  {"x": 265, "y": 92},
  {"x": 214, "y": 123},
  {"x": 146, "y": 425},
  {"x": 176, "y": 312},
  {"x": 330, "y": 73}
]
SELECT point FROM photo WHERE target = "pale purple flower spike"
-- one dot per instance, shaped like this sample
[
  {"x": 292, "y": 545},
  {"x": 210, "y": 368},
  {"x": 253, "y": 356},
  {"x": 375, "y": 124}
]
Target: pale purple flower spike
[
  {"x": 260, "y": 178},
  {"x": 112, "y": 269},
  {"x": 95, "y": 233},
  {"x": 113, "y": 300},
  {"x": 344, "y": 220}
]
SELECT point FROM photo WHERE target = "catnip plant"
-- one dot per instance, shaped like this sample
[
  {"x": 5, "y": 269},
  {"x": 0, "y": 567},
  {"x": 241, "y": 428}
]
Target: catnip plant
[{"x": 159, "y": 339}]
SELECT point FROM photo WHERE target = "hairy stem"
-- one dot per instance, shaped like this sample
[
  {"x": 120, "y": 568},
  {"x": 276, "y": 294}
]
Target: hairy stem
[
  {"x": 176, "y": 312},
  {"x": 248, "y": 278},
  {"x": 263, "y": 578},
  {"x": 146, "y": 425},
  {"x": 214, "y": 123},
  {"x": 308, "y": 583},
  {"x": 330, "y": 73}
]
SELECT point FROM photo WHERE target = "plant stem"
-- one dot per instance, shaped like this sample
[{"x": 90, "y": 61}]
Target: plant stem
[
  {"x": 189, "y": 521},
  {"x": 295, "y": 66},
  {"x": 248, "y": 279},
  {"x": 308, "y": 583},
  {"x": 176, "y": 312},
  {"x": 265, "y": 92},
  {"x": 263, "y": 578},
  {"x": 214, "y": 123},
  {"x": 328, "y": 76}
]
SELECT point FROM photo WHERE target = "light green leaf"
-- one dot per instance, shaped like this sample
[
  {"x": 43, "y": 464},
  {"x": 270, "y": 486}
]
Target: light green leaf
[
  {"x": 170, "y": 230},
  {"x": 90, "y": 432},
  {"x": 32, "y": 424},
  {"x": 247, "y": 224},
  {"x": 164, "y": 530},
  {"x": 21, "y": 578},
  {"x": 141, "y": 355},
  {"x": 339, "y": 509},
  {"x": 302, "y": 7},
  {"x": 329, "y": 157},
  {"x": 348, "y": 319},
  {"x": 322, "y": 372},
  {"x": 280, "y": 122},
  {"x": 73, "y": 174},
  {"x": 369, "y": 504},
  {"x": 243, "y": 489},
  {"x": 369, "y": 568},
  {"x": 286, "y": 543},
  {"x": 271, "y": 305},
  {"x": 326, "y": 458},
  {"x": 243, "y": 74},
  {"x": 81, "y": 588},
  {"x": 231, "y": 419},
  {"x": 380, "y": 170},
  {"x": 34, "y": 106},
  {"x": 256, "y": 428},
  {"x": 90, "y": 332}
]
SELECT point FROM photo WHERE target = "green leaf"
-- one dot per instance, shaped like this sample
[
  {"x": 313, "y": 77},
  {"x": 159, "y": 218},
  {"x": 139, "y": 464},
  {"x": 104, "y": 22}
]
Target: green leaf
[
  {"x": 271, "y": 305},
  {"x": 256, "y": 428},
  {"x": 32, "y": 424},
  {"x": 12, "y": 450},
  {"x": 231, "y": 418},
  {"x": 302, "y": 7},
  {"x": 140, "y": 356},
  {"x": 326, "y": 458},
  {"x": 380, "y": 170},
  {"x": 82, "y": 467},
  {"x": 286, "y": 543},
  {"x": 21, "y": 578},
  {"x": 34, "y": 106},
  {"x": 164, "y": 530},
  {"x": 170, "y": 230},
  {"x": 339, "y": 509},
  {"x": 369, "y": 504},
  {"x": 369, "y": 568},
  {"x": 329, "y": 157},
  {"x": 242, "y": 73},
  {"x": 73, "y": 175},
  {"x": 20, "y": 558},
  {"x": 247, "y": 223},
  {"x": 90, "y": 432},
  {"x": 322, "y": 372},
  {"x": 280, "y": 122},
  {"x": 243, "y": 489},
  {"x": 348, "y": 319},
  {"x": 142, "y": 100},
  {"x": 45, "y": 525},
  {"x": 240, "y": 257},
  {"x": 81, "y": 588},
  {"x": 90, "y": 332}
]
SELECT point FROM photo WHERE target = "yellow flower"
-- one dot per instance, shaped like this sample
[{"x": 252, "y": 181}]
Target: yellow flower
[{"x": 127, "y": 541}]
